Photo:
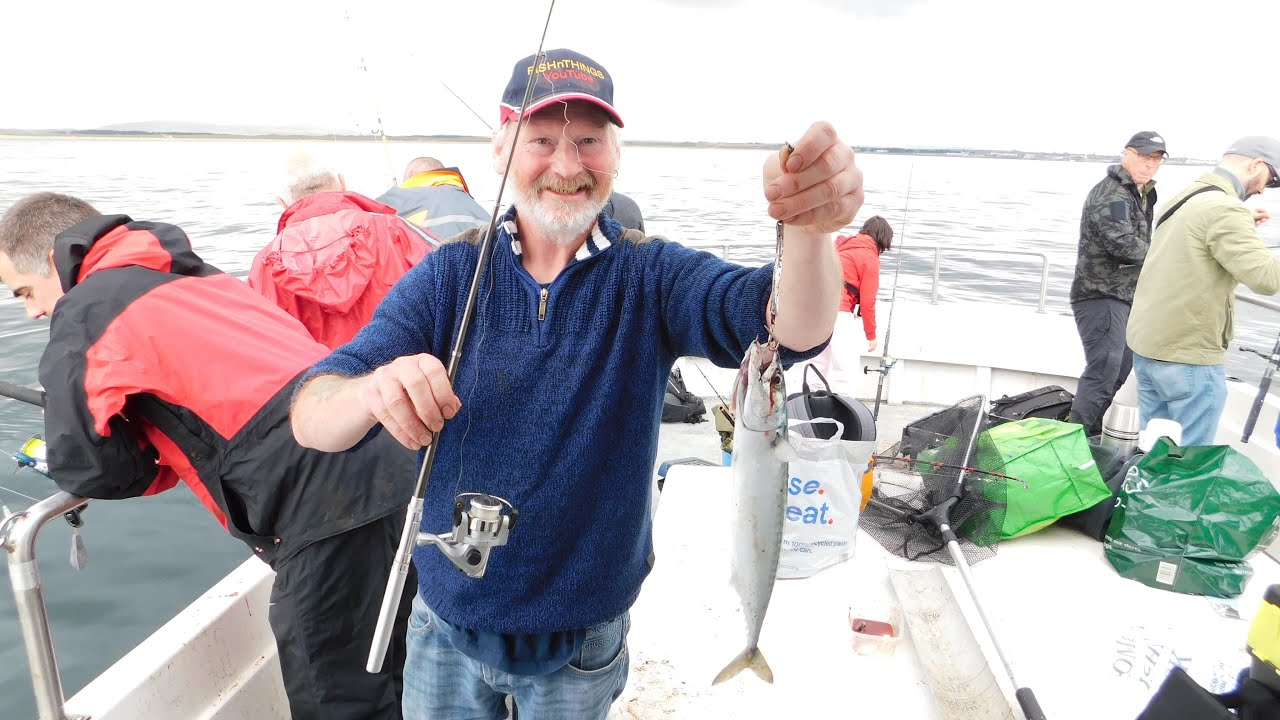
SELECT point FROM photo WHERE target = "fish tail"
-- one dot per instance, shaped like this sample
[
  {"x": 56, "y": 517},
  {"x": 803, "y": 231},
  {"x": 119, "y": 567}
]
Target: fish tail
[{"x": 750, "y": 658}]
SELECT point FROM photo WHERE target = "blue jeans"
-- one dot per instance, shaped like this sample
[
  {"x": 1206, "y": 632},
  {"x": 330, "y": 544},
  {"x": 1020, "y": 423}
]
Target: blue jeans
[
  {"x": 1191, "y": 395},
  {"x": 441, "y": 683}
]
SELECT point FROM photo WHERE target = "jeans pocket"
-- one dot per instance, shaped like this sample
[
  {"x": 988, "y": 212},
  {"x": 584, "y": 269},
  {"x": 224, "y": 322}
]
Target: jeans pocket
[
  {"x": 1172, "y": 381},
  {"x": 421, "y": 620},
  {"x": 603, "y": 647}
]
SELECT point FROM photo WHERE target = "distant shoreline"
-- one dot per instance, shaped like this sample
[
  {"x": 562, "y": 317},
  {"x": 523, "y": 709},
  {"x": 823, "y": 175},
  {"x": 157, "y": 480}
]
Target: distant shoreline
[{"x": 475, "y": 139}]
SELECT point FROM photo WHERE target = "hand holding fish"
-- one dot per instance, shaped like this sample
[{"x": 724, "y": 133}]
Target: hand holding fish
[
  {"x": 820, "y": 189},
  {"x": 411, "y": 398}
]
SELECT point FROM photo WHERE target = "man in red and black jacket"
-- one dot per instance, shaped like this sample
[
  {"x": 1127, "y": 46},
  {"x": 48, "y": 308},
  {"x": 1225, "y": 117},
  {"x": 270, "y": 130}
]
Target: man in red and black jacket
[{"x": 162, "y": 368}]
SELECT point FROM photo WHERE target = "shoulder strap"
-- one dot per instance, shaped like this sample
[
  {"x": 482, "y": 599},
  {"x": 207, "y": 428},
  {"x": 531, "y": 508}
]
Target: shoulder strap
[
  {"x": 1184, "y": 200},
  {"x": 636, "y": 237},
  {"x": 470, "y": 235}
]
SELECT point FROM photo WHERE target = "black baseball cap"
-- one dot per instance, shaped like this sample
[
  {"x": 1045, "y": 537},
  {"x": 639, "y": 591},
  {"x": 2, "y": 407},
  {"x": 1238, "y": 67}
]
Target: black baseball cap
[
  {"x": 561, "y": 75},
  {"x": 1147, "y": 142}
]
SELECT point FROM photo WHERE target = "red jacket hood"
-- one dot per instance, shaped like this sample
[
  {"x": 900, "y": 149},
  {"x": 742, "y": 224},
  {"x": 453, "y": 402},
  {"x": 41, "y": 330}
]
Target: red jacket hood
[
  {"x": 326, "y": 203},
  {"x": 335, "y": 257},
  {"x": 861, "y": 241},
  {"x": 115, "y": 241}
]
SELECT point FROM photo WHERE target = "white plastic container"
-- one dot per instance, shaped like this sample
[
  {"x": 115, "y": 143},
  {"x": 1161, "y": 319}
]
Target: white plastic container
[{"x": 959, "y": 675}]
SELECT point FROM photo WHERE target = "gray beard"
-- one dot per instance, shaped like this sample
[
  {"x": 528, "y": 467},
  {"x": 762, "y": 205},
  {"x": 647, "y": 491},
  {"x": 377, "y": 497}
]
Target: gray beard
[{"x": 561, "y": 225}]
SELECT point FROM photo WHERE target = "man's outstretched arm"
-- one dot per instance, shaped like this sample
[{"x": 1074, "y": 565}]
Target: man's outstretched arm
[{"x": 410, "y": 397}]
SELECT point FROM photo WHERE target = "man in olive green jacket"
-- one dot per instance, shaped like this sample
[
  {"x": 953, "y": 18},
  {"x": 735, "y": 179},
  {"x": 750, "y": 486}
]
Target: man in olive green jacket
[{"x": 1205, "y": 243}]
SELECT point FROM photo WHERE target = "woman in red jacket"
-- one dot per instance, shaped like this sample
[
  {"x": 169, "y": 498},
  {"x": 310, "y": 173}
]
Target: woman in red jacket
[{"x": 860, "y": 263}]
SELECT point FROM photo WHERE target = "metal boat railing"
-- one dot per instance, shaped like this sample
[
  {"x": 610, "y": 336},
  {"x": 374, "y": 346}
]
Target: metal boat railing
[
  {"x": 937, "y": 250},
  {"x": 1255, "y": 300},
  {"x": 937, "y": 266},
  {"x": 18, "y": 539}
]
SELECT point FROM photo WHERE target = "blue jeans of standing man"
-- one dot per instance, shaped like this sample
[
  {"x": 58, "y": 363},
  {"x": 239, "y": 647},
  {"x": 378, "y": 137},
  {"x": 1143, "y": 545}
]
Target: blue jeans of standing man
[
  {"x": 1191, "y": 395},
  {"x": 441, "y": 683}
]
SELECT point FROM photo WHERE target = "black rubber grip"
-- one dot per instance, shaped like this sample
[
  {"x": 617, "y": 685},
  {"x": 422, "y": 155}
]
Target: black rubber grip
[{"x": 1030, "y": 707}]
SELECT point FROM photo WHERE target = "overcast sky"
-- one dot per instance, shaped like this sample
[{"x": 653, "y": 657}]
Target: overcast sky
[{"x": 1077, "y": 76}]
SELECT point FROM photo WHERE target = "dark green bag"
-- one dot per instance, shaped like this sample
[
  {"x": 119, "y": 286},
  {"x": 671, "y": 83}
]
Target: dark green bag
[{"x": 1188, "y": 519}]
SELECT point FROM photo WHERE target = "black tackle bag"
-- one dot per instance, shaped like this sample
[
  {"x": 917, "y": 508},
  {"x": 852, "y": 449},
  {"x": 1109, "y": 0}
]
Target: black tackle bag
[
  {"x": 1050, "y": 401},
  {"x": 1181, "y": 698},
  {"x": 678, "y": 404}
]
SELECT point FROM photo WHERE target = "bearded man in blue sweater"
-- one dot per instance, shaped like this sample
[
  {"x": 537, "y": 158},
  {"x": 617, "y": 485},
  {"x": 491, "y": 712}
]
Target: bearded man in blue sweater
[{"x": 559, "y": 392}]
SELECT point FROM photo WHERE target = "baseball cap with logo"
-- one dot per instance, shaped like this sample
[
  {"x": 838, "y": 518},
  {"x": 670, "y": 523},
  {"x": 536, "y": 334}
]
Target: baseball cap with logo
[
  {"x": 1260, "y": 147},
  {"x": 1147, "y": 142},
  {"x": 563, "y": 75}
]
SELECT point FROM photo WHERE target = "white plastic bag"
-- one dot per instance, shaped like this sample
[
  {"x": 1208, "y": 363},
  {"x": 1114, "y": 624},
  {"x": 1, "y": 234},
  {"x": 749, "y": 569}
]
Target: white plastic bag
[{"x": 823, "y": 496}]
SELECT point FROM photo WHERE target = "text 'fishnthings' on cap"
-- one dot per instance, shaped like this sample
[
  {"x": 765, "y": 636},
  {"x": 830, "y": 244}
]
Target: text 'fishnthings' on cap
[{"x": 562, "y": 75}]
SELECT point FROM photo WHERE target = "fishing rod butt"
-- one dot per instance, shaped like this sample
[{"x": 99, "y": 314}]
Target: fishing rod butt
[
  {"x": 1030, "y": 706},
  {"x": 396, "y": 579},
  {"x": 22, "y": 393}
]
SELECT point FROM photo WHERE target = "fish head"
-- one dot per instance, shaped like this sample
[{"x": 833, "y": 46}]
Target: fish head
[{"x": 760, "y": 392}]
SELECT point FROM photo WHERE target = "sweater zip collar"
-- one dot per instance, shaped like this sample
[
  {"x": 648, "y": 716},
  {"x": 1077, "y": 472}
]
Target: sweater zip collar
[{"x": 597, "y": 242}]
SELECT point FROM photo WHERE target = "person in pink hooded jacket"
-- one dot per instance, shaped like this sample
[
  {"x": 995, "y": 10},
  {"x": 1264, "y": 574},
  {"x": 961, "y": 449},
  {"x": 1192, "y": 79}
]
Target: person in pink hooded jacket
[
  {"x": 860, "y": 264},
  {"x": 335, "y": 255}
]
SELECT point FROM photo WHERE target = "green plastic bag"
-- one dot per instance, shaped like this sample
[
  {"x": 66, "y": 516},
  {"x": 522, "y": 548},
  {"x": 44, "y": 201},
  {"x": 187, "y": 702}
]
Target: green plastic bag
[
  {"x": 1055, "y": 474},
  {"x": 1188, "y": 519},
  {"x": 1055, "y": 471}
]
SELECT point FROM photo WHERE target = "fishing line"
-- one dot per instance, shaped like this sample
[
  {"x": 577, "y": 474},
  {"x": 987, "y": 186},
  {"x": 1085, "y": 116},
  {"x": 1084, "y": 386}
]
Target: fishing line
[
  {"x": 21, "y": 465},
  {"x": 723, "y": 403},
  {"x": 489, "y": 270},
  {"x": 21, "y": 495},
  {"x": 465, "y": 105},
  {"x": 577, "y": 149},
  {"x": 886, "y": 363},
  {"x": 475, "y": 380},
  {"x": 410, "y": 532}
]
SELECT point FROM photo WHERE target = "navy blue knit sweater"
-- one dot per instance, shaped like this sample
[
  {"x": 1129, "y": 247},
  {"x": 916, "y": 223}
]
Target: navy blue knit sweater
[{"x": 560, "y": 415}]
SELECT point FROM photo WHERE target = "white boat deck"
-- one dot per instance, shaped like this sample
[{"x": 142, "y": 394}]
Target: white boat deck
[{"x": 1090, "y": 644}]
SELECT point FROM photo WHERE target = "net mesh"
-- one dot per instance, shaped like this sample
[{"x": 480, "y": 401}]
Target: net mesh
[{"x": 940, "y": 457}]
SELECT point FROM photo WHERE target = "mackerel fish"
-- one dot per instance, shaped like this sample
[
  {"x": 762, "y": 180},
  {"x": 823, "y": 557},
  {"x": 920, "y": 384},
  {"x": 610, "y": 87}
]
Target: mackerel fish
[{"x": 760, "y": 492}]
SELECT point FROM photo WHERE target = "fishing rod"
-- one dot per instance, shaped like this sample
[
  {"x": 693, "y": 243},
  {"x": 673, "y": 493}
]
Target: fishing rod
[
  {"x": 723, "y": 403},
  {"x": 465, "y": 105},
  {"x": 379, "y": 132},
  {"x": 939, "y": 518},
  {"x": 916, "y": 463},
  {"x": 1263, "y": 387},
  {"x": 478, "y": 518},
  {"x": 886, "y": 362}
]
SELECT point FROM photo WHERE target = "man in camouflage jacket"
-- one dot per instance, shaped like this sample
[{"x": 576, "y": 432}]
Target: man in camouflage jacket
[{"x": 1115, "y": 232}]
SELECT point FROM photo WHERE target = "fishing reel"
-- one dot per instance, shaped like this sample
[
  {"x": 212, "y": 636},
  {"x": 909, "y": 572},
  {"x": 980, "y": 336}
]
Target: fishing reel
[
  {"x": 481, "y": 522},
  {"x": 886, "y": 364},
  {"x": 34, "y": 454}
]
